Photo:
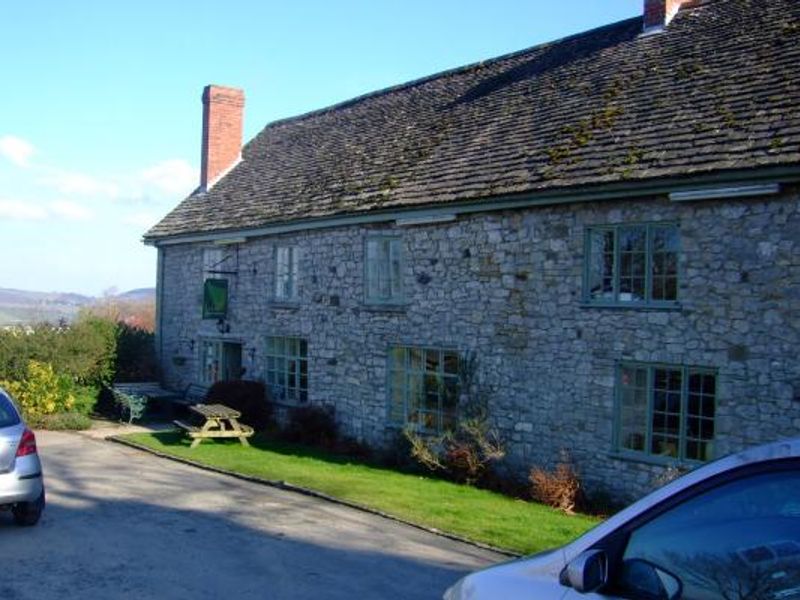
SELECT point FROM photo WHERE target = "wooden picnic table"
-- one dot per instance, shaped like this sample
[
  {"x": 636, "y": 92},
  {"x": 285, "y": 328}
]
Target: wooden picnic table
[{"x": 220, "y": 422}]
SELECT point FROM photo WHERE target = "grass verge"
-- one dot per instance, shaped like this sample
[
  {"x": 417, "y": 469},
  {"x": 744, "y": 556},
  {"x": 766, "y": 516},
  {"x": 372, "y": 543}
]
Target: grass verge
[{"x": 475, "y": 514}]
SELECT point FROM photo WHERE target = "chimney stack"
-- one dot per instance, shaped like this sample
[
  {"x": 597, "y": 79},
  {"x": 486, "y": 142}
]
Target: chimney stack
[
  {"x": 223, "y": 109},
  {"x": 658, "y": 13}
]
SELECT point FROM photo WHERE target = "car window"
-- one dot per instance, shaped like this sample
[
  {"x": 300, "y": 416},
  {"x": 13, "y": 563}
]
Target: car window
[
  {"x": 8, "y": 416},
  {"x": 738, "y": 541}
]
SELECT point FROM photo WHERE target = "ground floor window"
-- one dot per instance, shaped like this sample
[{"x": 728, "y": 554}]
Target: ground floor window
[
  {"x": 666, "y": 410},
  {"x": 220, "y": 361},
  {"x": 287, "y": 369},
  {"x": 423, "y": 387}
]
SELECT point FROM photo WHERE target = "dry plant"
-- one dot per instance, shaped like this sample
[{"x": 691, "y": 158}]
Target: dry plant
[{"x": 560, "y": 488}]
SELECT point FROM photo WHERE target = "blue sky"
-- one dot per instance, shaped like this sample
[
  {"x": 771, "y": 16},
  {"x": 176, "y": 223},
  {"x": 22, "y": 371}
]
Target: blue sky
[{"x": 100, "y": 106}]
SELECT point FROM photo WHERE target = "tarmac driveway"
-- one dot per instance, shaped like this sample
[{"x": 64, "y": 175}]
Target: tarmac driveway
[{"x": 124, "y": 524}]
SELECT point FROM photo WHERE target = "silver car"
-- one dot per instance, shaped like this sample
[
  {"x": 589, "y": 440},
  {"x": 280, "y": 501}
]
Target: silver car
[
  {"x": 729, "y": 529},
  {"x": 21, "y": 481}
]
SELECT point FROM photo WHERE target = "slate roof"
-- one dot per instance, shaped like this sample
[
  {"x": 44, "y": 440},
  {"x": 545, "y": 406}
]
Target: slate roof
[{"x": 719, "y": 89}]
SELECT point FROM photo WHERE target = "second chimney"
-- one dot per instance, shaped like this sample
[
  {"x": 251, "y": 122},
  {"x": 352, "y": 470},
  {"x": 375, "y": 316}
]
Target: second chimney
[
  {"x": 223, "y": 108},
  {"x": 658, "y": 13}
]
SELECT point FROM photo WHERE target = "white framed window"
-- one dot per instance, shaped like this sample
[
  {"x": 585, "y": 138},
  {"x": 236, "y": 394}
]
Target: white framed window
[
  {"x": 384, "y": 270},
  {"x": 213, "y": 262},
  {"x": 287, "y": 272},
  {"x": 287, "y": 369}
]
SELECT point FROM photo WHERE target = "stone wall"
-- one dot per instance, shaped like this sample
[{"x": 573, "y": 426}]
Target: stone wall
[{"x": 508, "y": 286}]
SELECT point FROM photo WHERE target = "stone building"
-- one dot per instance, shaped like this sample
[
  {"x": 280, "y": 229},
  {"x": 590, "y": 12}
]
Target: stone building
[{"x": 609, "y": 224}]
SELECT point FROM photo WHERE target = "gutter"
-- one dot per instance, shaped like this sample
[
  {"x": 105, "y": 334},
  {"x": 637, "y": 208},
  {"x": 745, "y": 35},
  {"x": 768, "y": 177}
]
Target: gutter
[{"x": 448, "y": 211}]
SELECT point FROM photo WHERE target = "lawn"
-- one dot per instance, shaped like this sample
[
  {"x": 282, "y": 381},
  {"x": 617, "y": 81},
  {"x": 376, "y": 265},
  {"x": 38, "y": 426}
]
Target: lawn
[{"x": 465, "y": 511}]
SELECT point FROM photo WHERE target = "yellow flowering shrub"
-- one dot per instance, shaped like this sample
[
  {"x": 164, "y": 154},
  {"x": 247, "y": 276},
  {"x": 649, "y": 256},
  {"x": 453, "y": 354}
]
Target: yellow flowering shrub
[{"x": 41, "y": 392}]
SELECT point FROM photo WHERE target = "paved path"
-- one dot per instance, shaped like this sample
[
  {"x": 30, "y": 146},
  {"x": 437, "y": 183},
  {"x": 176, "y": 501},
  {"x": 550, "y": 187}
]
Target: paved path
[{"x": 124, "y": 524}]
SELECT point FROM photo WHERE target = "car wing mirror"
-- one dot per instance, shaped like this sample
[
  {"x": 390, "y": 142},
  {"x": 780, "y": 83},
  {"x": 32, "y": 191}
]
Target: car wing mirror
[
  {"x": 647, "y": 581},
  {"x": 587, "y": 572}
]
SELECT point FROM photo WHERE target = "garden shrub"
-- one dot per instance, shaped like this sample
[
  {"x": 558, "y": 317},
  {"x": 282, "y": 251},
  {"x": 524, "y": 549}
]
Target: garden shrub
[
  {"x": 560, "y": 488},
  {"x": 129, "y": 407},
  {"x": 135, "y": 356},
  {"x": 66, "y": 421},
  {"x": 312, "y": 425},
  {"x": 84, "y": 351},
  {"x": 466, "y": 452},
  {"x": 350, "y": 446},
  {"x": 248, "y": 397},
  {"x": 41, "y": 391}
]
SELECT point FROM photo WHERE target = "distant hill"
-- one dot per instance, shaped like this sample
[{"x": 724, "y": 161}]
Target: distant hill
[
  {"x": 139, "y": 294},
  {"x": 21, "y": 307}
]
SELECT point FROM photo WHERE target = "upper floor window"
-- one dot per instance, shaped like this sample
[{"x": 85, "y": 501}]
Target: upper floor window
[
  {"x": 423, "y": 387},
  {"x": 665, "y": 410},
  {"x": 384, "y": 270},
  {"x": 213, "y": 260},
  {"x": 632, "y": 265},
  {"x": 287, "y": 271}
]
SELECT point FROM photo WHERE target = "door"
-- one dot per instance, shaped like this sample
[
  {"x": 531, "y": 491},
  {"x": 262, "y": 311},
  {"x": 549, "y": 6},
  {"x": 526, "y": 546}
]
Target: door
[{"x": 231, "y": 361}]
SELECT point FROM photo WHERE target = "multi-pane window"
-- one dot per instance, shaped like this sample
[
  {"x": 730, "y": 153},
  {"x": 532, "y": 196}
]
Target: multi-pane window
[
  {"x": 423, "y": 387},
  {"x": 213, "y": 259},
  {"x": 632, "y": 264},
  {"x": 666, "y": 410},
  {"x": 287, "y": 369},
  {"x": 286, "y": 272},
  {"x": 384, "y": 270}
]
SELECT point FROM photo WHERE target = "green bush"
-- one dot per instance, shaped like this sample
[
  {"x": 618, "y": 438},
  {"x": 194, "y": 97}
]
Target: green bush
[
  {"x": 136, "y": 355},
  {"x": 248, "y": 397},
  {"x": 129, "y": 407},
  {"x": 70, "y": 421},
  {"x": 312, "y": 425},
  {"x": 85, "y": 399},
  {"x": 85, "y": 351}
]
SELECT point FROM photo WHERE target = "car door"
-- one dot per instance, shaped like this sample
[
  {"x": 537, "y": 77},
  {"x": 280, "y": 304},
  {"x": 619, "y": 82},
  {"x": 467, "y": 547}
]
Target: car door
[
  {"x": 10, "y": 432},
  {"x": 737, "y": 538}
]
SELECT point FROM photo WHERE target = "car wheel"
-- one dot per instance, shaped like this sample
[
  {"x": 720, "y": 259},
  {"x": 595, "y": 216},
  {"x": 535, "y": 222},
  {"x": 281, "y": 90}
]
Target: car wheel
[{"x": 27, "y": 514}]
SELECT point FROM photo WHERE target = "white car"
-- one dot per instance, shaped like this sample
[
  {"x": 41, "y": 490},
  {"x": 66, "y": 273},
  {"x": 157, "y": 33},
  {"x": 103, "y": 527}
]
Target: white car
[
  {"x": 21, "y": 480},
  {"x": 727, "y": 530}
]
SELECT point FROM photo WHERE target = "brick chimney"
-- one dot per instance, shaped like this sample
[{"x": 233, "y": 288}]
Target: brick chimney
[
  {"x": 658, "y": 13},
  {"x": 223, "y": 109}
]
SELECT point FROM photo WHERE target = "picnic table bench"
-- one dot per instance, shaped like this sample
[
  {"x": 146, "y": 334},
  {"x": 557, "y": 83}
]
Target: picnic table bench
[{"x": 220, "y": 422}]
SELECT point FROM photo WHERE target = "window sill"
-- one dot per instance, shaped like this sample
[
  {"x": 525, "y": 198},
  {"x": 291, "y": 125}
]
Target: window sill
[
  {"x": 658, "y": 461},
  {"x": 389, "y": 307},
  {"x": 674, "y": 307},
  {"x": 284, "y": 304}
]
